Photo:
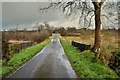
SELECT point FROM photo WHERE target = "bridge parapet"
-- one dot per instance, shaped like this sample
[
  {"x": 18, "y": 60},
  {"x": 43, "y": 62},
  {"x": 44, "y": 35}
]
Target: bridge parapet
[{"x": 81, "y": 46}]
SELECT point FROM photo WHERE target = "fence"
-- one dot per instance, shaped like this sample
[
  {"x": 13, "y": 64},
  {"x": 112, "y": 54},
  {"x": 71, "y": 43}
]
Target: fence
[
  {"x": 17, "y": 47},
  {"x": 81, "y": 46}
]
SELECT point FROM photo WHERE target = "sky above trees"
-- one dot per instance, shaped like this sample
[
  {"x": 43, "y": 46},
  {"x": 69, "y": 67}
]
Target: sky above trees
[{"x": 27, "y": 14}]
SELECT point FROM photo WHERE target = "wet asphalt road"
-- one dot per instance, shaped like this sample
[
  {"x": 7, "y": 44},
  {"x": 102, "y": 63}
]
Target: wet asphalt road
[{"x": 50, "y": 62}]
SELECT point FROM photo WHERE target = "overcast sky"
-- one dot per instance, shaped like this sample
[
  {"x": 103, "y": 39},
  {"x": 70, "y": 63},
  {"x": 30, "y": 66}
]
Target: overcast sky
[{"x": 27, "y": 14}]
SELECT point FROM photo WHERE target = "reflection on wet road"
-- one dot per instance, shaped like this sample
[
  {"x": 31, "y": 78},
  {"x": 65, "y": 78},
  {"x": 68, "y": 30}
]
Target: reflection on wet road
[{"x": 50, "y": 62}]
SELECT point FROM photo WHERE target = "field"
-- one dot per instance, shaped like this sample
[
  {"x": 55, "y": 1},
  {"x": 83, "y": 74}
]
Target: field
[
  {"x": 23, "y": 36},
  {"x": 15, "y": 41},
  {"x": 85, "y": 64},
  {"x": 110, "y": 52},
  {"x": 109, "y": 40}
]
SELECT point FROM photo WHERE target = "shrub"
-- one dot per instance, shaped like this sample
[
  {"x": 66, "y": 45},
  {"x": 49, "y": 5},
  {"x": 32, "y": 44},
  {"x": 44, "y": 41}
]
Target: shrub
[
  {"x": 63, "y": 33},
  {"x": 115, "y": 60},
  {"x": 41, "y": 36},
  {"x": 24, "y": 35}
]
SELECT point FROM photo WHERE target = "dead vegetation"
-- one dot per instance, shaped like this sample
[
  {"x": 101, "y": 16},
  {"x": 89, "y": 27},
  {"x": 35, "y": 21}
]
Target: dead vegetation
[
  {"x": 109, "y": 41},
  {"x": 10, "y": 37}
]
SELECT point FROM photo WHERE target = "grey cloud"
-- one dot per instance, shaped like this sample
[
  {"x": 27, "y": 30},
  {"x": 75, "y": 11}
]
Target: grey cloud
[{"x": 26, "y": 12}]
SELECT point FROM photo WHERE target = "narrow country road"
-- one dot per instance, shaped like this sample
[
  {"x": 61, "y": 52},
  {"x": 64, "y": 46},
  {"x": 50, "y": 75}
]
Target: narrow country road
[{"x": 50, "y": 62}]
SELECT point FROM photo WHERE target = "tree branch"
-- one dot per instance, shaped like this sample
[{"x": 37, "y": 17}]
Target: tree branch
[
  {"x": 90, "y": 20},
  {"x": 95, "y": 3},
  {"x": 107, "y": 18},
  {"x": 101, "y": 3}
]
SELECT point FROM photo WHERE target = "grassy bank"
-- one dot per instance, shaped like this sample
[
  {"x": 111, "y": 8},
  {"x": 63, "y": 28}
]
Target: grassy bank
[
  {"x": 109, "y": 41},
  {"x": 11, "y": 37},
  {"x": 20, "y": 58},
  {"x": 84, "y": 63}
]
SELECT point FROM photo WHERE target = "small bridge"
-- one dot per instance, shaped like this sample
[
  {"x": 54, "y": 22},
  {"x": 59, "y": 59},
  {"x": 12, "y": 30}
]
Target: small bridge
[{"x": 81, "y": 46}]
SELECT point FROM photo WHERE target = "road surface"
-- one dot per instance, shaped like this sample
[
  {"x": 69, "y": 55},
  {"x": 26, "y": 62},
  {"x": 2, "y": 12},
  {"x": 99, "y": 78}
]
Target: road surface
[{"x": 50, "y": 62}]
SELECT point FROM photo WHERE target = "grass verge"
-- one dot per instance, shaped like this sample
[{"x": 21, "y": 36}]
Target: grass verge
[
  {"x": 20, "y": 58},
  {"x": 84, "y": 63}
]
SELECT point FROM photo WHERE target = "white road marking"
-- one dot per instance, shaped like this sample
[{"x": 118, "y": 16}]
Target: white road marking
[{"x": 66, "y": 63}]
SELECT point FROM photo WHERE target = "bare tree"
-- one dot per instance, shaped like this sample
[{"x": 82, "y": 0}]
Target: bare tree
[
  {"x": 84, "y": 9},
  {"x": 47, "y": 26},
  {"x": 97, "y": 43}
]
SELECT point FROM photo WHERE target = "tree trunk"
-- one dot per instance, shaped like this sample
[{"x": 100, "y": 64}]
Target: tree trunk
[{"x": 97, "y": 42}]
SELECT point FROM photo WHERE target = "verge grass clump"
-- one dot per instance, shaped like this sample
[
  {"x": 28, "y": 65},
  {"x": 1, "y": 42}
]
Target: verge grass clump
[
  {"x": 85, "y": 64},
  {"x": 20, "y": 58}
]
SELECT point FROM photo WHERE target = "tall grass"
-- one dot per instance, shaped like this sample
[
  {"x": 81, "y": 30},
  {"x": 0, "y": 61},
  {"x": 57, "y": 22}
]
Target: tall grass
[
  {"x": 26, "y": 35},
  {"x": 84, "y": 63},
  {"x": 41, "y": 36},
  {"x": 109, "y": 41}
]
